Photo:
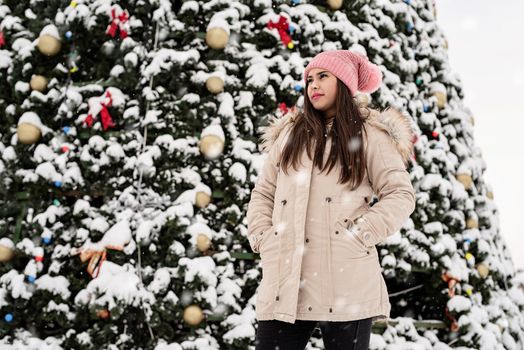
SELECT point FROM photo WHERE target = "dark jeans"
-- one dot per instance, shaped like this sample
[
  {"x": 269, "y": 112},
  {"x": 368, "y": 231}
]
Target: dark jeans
[{"x": 337, "y": 335}]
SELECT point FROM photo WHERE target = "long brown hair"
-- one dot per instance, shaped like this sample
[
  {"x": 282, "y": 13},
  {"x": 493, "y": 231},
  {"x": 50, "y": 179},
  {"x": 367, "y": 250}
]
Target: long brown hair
[{"x": 347, "y": 145}]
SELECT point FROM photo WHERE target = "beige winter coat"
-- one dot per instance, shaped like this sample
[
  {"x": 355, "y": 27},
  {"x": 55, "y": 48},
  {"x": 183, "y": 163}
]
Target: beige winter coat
[{"x": 334, "y": 273}]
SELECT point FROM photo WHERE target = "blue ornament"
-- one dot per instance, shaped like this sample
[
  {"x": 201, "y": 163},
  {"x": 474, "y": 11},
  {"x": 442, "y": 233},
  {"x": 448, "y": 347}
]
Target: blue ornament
[
  {"x": 291, "y": 29},
  {"x": 58, "y": 183},
  {"x": 407, "y": 2},
  {"x": 56, "y": 202},
  {"x": 31, "y": 279},
  {"x": 66, "y": 129},
  {"x": 46, "y": 240},
  {"x": 295, "y": 2},
  {"x": 68, "y": 34},
  {"x": 409, "y": 26},
  {"x": 298, "y": 87},
  {"x": 426, "y": 108},
  {"x": 8, "y": 317}
]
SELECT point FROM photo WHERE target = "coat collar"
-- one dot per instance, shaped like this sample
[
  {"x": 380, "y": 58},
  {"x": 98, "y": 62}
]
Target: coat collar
[{"x": 391, "y": 120}]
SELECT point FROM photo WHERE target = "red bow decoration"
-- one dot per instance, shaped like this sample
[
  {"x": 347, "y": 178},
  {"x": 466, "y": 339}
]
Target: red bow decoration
[
  {"x": 284, "y": 109},
  {"x": 454, "y": 324},
  {"x": 2, "y": 39},
  {"x": 452, "y": 281},
  {"x": 107, "y": 121},
  {"x": 118, "y": 22},
  {"x": 96, "y": 257},
  {"x": 283, "y": 27}
]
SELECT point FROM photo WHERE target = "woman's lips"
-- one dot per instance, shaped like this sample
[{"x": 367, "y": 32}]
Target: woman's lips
[{"x": 317, "y": 96}]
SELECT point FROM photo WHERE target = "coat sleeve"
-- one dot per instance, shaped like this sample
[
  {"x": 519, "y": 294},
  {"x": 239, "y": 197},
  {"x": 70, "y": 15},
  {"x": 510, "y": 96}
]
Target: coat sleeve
[
  {"x": 260, "y": 208},
  {"x": 391, "y": 182}
]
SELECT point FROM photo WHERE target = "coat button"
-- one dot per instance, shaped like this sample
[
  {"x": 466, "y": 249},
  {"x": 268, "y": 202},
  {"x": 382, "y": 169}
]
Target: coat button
[
  {"x": 284, "y": 202},
  {"x": 336, "y": 232},
  {"x": 310, "y": 308},
  {"x": 307, "y": 240},
  {"x": 330, "y": 310},
  {"x": 276, "y": 233},
  {"x": 328, "y": 199},
  {"x": 278, "y": 164},
  {"x": 345, "y": 220},
  {"x": 276, "y": 298},
  {"x": 367, "y": 236}
]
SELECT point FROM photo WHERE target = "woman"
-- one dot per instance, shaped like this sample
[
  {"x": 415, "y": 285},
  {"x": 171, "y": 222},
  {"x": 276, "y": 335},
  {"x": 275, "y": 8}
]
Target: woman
[{"x": 309, "y": 215}]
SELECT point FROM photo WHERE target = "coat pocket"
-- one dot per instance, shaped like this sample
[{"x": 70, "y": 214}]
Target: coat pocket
[
  {"x": 265, "y": 236},
  {"x": 345, "y": 243},
  {"x": 356, "y": 280},
  {"x": 269, "y": 283},
  {"x": 283, "y": 217}
]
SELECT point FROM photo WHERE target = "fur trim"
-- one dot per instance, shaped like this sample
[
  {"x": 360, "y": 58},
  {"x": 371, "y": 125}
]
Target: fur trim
[
  {"x": 391, "y": 120},
  {"x": 276, "y": 125},
  {"x": 397, "y": 125}
]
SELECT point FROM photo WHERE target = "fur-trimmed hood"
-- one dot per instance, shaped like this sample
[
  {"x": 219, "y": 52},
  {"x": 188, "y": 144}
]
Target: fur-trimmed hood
[{"x": 391, "y": 120}]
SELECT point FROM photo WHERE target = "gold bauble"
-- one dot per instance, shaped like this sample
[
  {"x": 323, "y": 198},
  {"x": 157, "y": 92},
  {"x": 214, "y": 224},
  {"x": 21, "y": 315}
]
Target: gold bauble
[
  {"x": 6, "y": 253},
  {"x": 489, "y": 194},
  {"x": 472, "y": 120},
  {"x": 446, "y": 43},
  {"x": 472, "y": 223},
  {"x": 193, "y": 315},
  {"x": 203, "y": 242},
  {"x": 49, "y": 45},
  {"x": 483, "y": 270},
  {"x": 466, "y": 180},
  {"x": 28, "y": 133},
  {"x": 441, "y": 98},
  {"x": 334, "y": 4},
  {"x": 215, "y": 84},
  {"x": 217, "y": 38},
  {"x": 202, "y": 199},
  {"x": 38, "y": 83},
  {"x": 211, "y": 146}
]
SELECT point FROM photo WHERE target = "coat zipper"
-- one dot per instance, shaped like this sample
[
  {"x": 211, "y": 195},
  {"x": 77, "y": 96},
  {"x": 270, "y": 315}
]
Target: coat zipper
[
  {"x": 330, "y": 277},
  {"x": 279, "y": 249}
]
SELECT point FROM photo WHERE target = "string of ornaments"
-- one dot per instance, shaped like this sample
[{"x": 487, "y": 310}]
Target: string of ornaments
[{"x": 454, "y": 282}]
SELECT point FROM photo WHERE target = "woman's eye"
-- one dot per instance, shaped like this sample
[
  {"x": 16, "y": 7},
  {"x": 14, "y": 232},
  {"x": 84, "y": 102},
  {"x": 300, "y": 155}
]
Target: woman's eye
[{"x": 321, "y": 75}]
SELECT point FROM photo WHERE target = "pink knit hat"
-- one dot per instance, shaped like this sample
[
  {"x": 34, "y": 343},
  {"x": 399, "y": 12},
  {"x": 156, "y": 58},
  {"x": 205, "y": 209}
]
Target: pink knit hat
[{"x": 353, "y": 68}]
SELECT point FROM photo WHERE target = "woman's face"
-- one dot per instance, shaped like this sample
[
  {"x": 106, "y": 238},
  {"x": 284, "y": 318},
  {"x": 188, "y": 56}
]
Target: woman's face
[{"x": 321, "y": 82}]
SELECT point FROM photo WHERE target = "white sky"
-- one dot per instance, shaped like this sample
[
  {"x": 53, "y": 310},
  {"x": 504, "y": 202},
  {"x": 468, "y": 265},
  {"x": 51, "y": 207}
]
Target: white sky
[{"x": 486, "y": 49}]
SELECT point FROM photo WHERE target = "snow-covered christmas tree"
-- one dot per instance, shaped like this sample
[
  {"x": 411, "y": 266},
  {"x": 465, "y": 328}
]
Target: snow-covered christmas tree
[{"x": 129, "y": 143}]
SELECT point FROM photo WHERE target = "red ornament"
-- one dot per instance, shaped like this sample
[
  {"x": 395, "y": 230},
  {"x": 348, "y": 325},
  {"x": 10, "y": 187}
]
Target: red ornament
[
  {"x": 39, "y": 258},
  {"x": 452, "y": 281},
  {"x": 107, "y": 121},
  {"x": 103, "y": 313},
  {"x": 64, "y": 149},
  {"x": 434, "y": 134},
  {"x": 283, "y": 108},
  {"x": 2, "y": 39},
  {"x": 283, "y": 28},
  {"x": 118, "y": 22},
  {"x": 454, "y": 324}
]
